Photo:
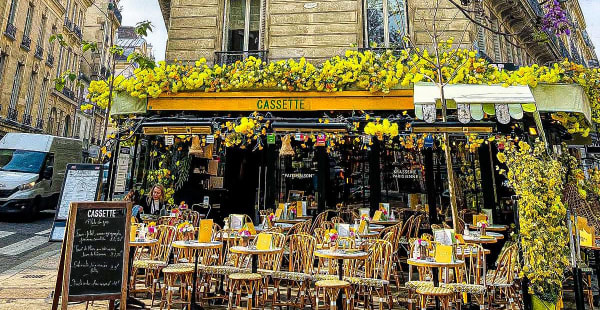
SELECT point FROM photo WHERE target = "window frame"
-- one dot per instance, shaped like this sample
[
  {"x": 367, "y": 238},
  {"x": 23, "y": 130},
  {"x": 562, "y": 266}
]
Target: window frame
[
  {"x": 247, "y": 15},
  {"x": 386, "y": 23}
]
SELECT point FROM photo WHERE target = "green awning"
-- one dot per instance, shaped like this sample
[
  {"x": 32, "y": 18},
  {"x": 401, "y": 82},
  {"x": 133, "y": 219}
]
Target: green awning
[
  {"x": 124, "y": 104},
  {"x": 562, "y": 98}
]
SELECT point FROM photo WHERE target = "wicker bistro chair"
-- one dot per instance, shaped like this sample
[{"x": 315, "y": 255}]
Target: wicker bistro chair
[
  {"x": 299, "y": 272},
  {"x": 500, "y": 282},
  {"x": 319, "y": 219},
  {"x": 158, "y": 259},
  {"x": 425, "y": 277},
  {"x": 190, "y": 216},
  {"x": 394, "y": 239},
  {"x": 337, "y": 220},
  {"x": 178, "y": 279},
  {"x": 168, "y": 220},
  {"x": 376, "y": 279},
  {"x": 471, "y": 279},
  {"x": 251, "y": 283},
  {"x": 331, "y": 289}
]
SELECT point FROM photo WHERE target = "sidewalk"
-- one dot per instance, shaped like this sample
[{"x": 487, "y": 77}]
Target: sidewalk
[{"x": 30, "y": 285}]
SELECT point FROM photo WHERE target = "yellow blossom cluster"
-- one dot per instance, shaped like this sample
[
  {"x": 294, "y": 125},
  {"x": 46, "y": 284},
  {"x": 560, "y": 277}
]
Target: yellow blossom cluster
[
  {"x": 536, "y": 178},
  {"x": 381, "y": 129},
  {"x": 376, "y": 72}
]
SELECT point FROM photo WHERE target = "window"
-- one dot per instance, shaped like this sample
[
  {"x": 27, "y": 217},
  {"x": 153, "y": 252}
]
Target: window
[
  {"x": 29, "y": 98},
  {"x": 12, "y": 12},
  {"x": 242, "y": 25},
  {"x": 496, "y": 41},
  {"x": 40, "y": 41},
  {"x": 385, "y": 23},
  {"x": 21, "y": 160},
  {"x": 3, "y": 58},
  {"x": 60, "y": 60},
  {"x": 28, "y": 21},
  {"x": 80, "y": 19},
  {"x": 73, "y": 14},
  {"x": 14, "y": 96},
  {"x": 42, "y": 102}
]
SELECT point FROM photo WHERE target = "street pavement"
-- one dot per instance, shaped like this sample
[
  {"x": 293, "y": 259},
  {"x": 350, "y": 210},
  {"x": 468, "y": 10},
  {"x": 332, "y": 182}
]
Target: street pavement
[{"x": 21, "y": 242}]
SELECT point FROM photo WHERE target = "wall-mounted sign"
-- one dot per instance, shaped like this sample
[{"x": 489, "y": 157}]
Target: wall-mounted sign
[
  {"x": 271, "y": 138},
  {"x": 169, "y": 140}
]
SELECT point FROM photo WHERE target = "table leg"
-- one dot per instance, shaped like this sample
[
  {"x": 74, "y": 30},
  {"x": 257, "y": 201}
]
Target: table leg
[
  {"x": 194, "y": 305},
  {"x": 340, "y": 301},
  {"x": 254, "y": 264}
]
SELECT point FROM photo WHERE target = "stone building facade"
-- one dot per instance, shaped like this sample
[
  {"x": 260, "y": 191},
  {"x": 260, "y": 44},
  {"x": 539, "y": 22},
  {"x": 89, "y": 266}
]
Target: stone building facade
[
  {"x": 100, "y": 26},
  {"x": 226, "y": 30},
  {"x": 29, "y": 63}
]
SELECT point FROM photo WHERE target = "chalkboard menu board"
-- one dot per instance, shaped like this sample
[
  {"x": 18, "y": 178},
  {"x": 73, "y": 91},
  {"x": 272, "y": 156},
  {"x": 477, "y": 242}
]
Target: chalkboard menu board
[{"x": 96, "y": 251}]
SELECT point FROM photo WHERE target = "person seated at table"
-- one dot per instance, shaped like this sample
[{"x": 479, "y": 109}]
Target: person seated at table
[
  {"x": 154, "y": 203},
  {"x": 134, "y": 197}
]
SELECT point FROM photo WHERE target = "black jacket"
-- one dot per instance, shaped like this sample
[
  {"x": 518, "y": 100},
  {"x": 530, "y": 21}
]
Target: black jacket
[{"x": 146, "y": 204}]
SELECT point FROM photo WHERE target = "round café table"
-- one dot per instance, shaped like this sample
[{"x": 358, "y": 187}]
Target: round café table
[
  {"x": 254, "y": 252},
  {"x": 433, "y": 264},
  {"x": 369, "y": 235},
  {"x": 386, "y": 222},
  {"x": 341, "y": 255},
  {"x": 496, "y": 228},
  {"x": 374, "y": 227},
  {"x": 480, "y": 239},
  {"x": 195, "y": 245},
  {"x": 134, "y": 244},
  {"x": 294, "y": 221}
]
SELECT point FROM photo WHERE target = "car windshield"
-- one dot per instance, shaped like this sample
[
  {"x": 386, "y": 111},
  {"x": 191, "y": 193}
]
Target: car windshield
[{"x": 21, "y": 161}]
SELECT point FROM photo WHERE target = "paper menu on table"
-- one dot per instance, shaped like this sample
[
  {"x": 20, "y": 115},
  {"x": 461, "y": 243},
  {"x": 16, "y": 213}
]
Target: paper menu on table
[
  {"x": 205, "y": 233},
  {"x": 443, "y": 253},
  {"x": 384, "y": 206},
  {"x": 377, "y": 215},
  {"x": 362, "y": 227},
  {"x": 364, "y": 212},
  {"x": 264, "y": 242},
  {"x": 444, "y": 236},
  {"x": 236, "y": 221},
  {"x": 343, "y": 230}
]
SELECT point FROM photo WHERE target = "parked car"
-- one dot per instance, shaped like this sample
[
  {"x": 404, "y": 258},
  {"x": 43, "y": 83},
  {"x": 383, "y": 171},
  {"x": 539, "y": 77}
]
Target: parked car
[{"x": 32, "y": 169}]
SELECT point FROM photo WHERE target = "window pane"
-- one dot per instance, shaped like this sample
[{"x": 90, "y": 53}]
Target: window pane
[
  {"x": 235, "y": 40},
  {"x": 375, "y": 25},
  {"x": 396, "y": 21},
  {"x": 254, "y": 25}
]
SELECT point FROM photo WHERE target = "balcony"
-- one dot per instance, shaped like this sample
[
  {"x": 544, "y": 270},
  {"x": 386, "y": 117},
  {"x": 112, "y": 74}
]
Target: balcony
[
  {"x": 26, "y": 119},
  {"x": 39, "y": 124},
  {"x": 396, "y": 51},
  {"x": 11, "y": 31},
  {"x": 68, "y": 93},
  {"x": 68, "y": 24},
  {"x": 231, "y": 57},
  {"x": 117, "y": 13},
  {"x": 536, "y": 7},
  {"x": 26, "y": 43},
  {"x": 50, "y": 60},
  {"x": 77, "y": 32},
  {"x": 39, "y": 52},
  {"x": 12, "y": 114}
]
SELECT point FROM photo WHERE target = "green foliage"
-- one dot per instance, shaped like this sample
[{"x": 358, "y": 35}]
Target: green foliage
[{"x": 142, "y": 28}]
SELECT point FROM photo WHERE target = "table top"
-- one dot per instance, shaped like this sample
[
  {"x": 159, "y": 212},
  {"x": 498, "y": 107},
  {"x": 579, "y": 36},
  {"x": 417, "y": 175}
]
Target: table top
[
  {"x": 294, "y": 221},
  {"x": 369, "y": 234},
  {"x": 252, "y": 250},
  {"x": 478, "y": 239},
  {"x": 490, "y": 227},
  {"x": 234, "y": 236},
  {"x": 426, "y": 263},
  {"x": 376, "y": 227},
  {"x": 594, "y": 247},
  {"x": 468, "y": 252},
  {"x": 386, "y": 222},
  {"x": 146, "y": 242},
  {"x": 341, "y": 254},
  {"x": 194, "y": 244}
]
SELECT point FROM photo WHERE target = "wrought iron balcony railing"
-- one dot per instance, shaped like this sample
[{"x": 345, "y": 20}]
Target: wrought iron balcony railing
[
  {"x": 12, "y": 114},
  {"x": 39, "y": 52},
  {"x": 26, "y": 43},
  {"x": 230, "y": 57},
  {"x": 68, "y": 24},
  {"x": 26, "y": 119},
  {"x": 68, "y": 93},
  {"x": 11, "y": 31},
  {"x": 50, "y": 60},
  {"x": 39, "y": 124},
  {"x": 77, "y": 32}
]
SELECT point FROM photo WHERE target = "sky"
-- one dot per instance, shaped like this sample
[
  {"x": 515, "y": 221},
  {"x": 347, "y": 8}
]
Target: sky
[{"x": 139, "y": 10}]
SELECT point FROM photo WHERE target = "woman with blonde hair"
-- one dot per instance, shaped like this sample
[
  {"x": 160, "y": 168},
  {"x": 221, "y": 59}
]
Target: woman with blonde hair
[{"x": 154, "y": 201}]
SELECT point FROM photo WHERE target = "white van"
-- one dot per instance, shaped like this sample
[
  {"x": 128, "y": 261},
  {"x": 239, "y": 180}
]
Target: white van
[{"x": 32, "y": 169}]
